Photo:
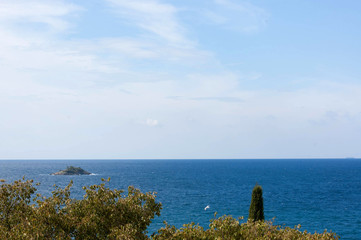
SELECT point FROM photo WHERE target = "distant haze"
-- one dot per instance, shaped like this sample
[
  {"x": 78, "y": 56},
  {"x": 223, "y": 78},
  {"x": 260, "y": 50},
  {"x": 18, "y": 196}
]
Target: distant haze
[{"x": 180, "y": 79}]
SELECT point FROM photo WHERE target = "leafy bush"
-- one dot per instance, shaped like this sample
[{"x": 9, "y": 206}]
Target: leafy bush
[
  {"x": 230, "y": 228},
  {"x": 102, "y": 213}
]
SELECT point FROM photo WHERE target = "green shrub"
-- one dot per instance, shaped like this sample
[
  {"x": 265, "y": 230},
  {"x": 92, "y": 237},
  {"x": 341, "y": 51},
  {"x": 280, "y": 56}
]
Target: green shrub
[
  {"x": 102, "y": 213},
  {"x": 230, "y": 228}
]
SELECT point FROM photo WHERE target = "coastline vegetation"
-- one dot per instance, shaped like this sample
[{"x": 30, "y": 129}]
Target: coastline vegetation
[
  {"x": 106, "y": 213},
  {"x": 71, "y": 170}
]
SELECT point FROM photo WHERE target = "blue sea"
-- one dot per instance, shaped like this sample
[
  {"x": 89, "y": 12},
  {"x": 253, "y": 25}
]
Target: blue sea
[{"x": 319, "y": 194}]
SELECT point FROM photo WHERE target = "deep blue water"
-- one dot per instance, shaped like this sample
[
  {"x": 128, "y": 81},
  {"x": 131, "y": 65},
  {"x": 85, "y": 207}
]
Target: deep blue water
[{"x": 316, "y": 193}]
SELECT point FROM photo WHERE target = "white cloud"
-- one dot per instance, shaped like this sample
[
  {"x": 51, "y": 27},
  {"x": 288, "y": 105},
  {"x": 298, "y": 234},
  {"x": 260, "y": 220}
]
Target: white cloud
[
  {"x": 86, "y": 123},
  {"x": 153, "y": 50},
  {"x": 152, "y": 122},
  {"x": 32, "y": 53},
  {"x": 163, "y": 36},
  {"x": 155, "y": 17},
  {"x": 93, "y": 98},
  {"x": 31, "y": 25},
  {"x": 241, "y": 16},
  {"x": 36, "y": 11},
  {"x": 43, "y": 57}
]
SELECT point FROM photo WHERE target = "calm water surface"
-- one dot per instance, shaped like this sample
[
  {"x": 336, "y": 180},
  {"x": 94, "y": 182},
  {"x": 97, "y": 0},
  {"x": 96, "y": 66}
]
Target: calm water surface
[{"x": 318, "y": 194}]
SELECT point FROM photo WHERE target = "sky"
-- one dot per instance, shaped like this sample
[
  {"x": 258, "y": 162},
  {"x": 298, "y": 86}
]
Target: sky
[{"x": 159, "y": 79}]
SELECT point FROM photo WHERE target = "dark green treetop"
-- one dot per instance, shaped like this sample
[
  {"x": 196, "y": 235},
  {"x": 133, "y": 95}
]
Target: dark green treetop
[{"x": 256, "y": 208}]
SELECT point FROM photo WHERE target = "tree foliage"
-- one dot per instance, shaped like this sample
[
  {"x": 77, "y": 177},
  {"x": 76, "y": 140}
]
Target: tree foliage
[
  {"x": 104, "y": 213},
  {"x": 229, "y": 228},
  {"x": 256, "y": 208}
]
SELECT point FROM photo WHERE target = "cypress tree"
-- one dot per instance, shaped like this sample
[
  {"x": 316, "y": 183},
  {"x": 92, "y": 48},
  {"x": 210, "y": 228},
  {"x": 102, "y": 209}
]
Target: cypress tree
[{"x": 256, "y": 207}]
